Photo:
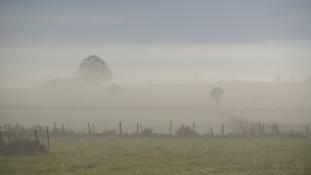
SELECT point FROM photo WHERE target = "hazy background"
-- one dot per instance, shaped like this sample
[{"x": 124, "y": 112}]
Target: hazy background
[{"x": 167, "y": 56}]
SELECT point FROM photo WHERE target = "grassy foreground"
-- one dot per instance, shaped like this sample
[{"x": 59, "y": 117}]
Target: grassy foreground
[{"x": 166, "y": 156}]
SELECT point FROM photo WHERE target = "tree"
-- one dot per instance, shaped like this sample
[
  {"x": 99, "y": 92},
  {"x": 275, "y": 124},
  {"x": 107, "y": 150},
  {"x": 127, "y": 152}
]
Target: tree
[
  {"x": 115, "y": 89},
  {"x": 94, "y": 70},
  {"x": 216, "y": 94},
  {"x": 308, "y": 79}
]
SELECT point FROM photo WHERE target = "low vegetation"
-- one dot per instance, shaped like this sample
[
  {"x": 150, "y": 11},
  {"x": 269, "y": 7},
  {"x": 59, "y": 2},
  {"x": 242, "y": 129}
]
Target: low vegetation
[
  {"x": 22, "y": 147},
  {"x": 145, "y": 155}
]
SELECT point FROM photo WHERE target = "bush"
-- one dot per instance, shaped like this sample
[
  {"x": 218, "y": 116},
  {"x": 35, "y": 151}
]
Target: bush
[
  {"x": 148, "y": 132},
  {"x": 111, "y": 132},
  {"x": 185, "y": 131},
  {"x": 23, "y": 147}
]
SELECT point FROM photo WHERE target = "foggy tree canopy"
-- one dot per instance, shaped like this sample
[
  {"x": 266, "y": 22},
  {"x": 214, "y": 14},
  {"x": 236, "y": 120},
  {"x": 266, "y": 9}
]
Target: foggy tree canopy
[
  {"x": 94, "y": 70},
  {"x": 216, "y": 94},
  {"x": 308, "y": 79}
]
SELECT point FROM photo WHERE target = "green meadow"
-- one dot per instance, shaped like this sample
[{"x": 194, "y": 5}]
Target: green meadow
[{"x": 144, "y": 156}]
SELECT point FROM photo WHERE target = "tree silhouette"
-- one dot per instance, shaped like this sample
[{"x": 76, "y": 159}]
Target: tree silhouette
[
  {"x": 94, "y": 70},
  {"x": 216, "y": 94},
  {"x": 308, "y": 79},
  {"x": 115, "y": 89}
]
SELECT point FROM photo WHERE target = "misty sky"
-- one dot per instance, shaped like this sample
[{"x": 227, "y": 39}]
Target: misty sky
[{"x": 160, "y": 41}]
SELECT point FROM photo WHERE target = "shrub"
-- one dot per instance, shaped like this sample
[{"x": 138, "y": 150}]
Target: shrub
[
  {"x": 185, "y": 131},
  {"x": 23, "y": 147},
  {"x": 111, "y": 132},
  {"x": 148, "y": 132}
]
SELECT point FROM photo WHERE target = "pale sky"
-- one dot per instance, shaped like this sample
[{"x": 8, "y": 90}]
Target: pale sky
[{"x": 160, "y": 41}]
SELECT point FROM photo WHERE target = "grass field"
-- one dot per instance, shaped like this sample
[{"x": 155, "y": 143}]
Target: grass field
[{"x": 166, "y": 156}]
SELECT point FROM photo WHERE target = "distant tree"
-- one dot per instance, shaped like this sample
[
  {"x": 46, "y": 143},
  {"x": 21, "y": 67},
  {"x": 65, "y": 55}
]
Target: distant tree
[
  {"x": 216, "y": 94},
  {"x": 149, "y": 84},
  {"x": 278, "y": 78},
  {"x": 62, "y": 83},
  {"x": 293, "y": 79},
  {"x": 308, "y": 79},
  {"x": 94, "y": 70},
  {"x": 115, "y": 89}
]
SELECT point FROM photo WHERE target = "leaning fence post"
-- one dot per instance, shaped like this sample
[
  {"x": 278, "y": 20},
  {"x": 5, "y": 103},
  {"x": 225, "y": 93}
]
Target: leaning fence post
[
  {"x": 48, "y": 137},
  {"x": 137, "y": 128},
  {"x": 120, "y": 128}
]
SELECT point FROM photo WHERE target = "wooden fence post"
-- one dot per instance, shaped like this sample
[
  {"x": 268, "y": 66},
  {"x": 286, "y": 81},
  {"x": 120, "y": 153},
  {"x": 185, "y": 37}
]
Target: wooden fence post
[
  {"x": 93, "y": 127},
  {"x": 137, "y": 128},
  {"x": 243, "y": 131},
  {"x": 193, "y": 126},
  {"x": 63, "y": 128},
  {"x": 88, "y": 128},
  {"x": 120, "y": 128},
  {"x": 276, "y": 129},
  {"x": 171, "y": 127},
  {"x": 259, "y": 128},
  {"x": 9, "y": 137},
  {"x": 48, "y": 137},
  {"x": 223, "y": 130},
  {"x": 252, "y": 129},
  {"x": 1, "y": 142},
  {"x": 36, "y": 136},
  {"x": 212, "y": 134},
  {"x": 54, "y": 127},
  {"x": 141, "y": 128}
]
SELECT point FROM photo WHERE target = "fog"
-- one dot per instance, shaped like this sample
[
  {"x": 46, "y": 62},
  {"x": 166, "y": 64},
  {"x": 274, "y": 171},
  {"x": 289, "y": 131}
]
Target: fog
[
  {"x": 164, "y": 58},
  {"x": 155, "y": 87},
  {"x": 28, "y": 66},
  {"x": 155, "y": 83},
  {"x": 154, "y": 105}
]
